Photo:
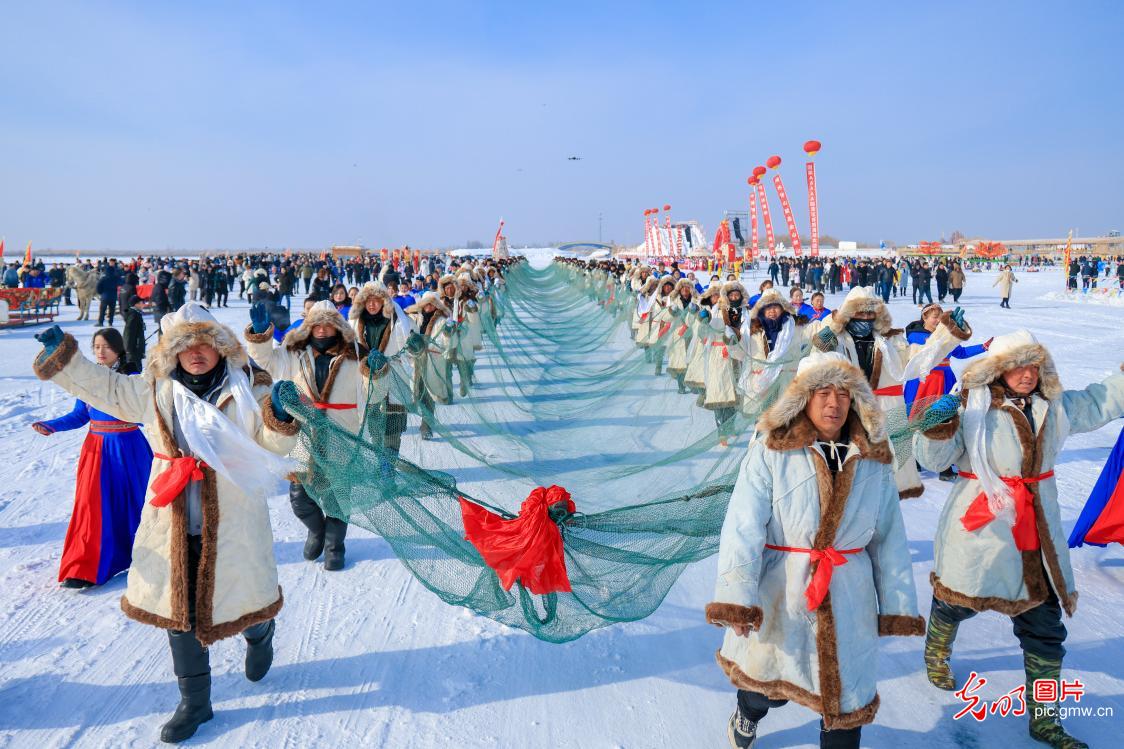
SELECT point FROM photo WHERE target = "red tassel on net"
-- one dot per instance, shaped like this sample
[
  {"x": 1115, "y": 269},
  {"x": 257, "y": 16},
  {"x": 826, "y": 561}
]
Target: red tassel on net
[
  {"x": 527, "y": 548},
  {"x": 170, "y": 484}
]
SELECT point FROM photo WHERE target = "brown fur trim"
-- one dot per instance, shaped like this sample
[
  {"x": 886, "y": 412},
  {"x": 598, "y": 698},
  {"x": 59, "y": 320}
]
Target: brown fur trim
[
  {"x": 840, "y": 374},
  {"x": 297, "y": 338},
  {"x": 768, "y": 297},
  {"x": 883, "y": 323},
  {"x": 252, "y": 337},
  {"x": 795, "y": 435},
  {"x": 959, "y": 333},
  {"x": 895, "y": 625},
  {"x": 785, "y": 690},
  {"x": 163, "y": 357},
  {"x": 205, "y": 629},
  {"x": 892, "y": 332},
  {"x": 271, "y": 421},
  {"x": 1032, "y": 466},
  {"x": 944, "y": 431},
  {"x": 875, "y": 368},
  {"x": 834, "y": 491},
  {"x": 911, "y": 493},
  {"x": 261, "y": 378},
  {"x": 723, "y": 404},
  {"x": 879, "y": 452},
  {"x": 366, "y": 291},
  {"x": 46, "y": 368},
  {"x": 726, "y": 614},
  {"x": 980, "y": 603},
  {"x": 990, "y": 367},
  {"x": 230, "y": 629},
  {"x": 429, "y": 297},
  {"x": 330, "y": 380}
]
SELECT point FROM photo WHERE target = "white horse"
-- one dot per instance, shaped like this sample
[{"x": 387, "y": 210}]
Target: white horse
[{"x": 85, "y": 283}]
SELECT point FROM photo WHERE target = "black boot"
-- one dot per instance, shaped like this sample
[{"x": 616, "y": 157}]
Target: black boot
[
  {"x": 259, "y": 649},
  {"x": 313, "y": 518},
  {"x": 334, "y": 534},
  {"x": 192, "y": 667}
]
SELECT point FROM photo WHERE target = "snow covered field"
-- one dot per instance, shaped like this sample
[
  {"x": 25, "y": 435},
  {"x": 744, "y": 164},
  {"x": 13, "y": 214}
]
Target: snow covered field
[{"x": 368, "y": 657}]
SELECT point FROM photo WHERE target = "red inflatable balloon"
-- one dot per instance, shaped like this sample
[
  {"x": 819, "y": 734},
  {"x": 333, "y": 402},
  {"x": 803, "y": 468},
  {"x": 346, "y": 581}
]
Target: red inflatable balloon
[
  {"x": 812, "y": 147},
  {"x": 773, "y": 162},
  {"x": 667, "y": 208},
  {"x": 758, "y": 171}
]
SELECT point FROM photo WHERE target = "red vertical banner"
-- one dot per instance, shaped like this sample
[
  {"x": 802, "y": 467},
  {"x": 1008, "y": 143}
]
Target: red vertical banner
[
  {"x": 813, "y": 210},
  {"x": 787, "y": 209},
  {"x": 769, "y": 240},
  {"x": 753, "y": 246}
]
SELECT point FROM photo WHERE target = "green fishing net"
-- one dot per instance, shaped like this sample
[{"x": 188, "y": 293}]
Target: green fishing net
[{"x": 560, "y": 395}]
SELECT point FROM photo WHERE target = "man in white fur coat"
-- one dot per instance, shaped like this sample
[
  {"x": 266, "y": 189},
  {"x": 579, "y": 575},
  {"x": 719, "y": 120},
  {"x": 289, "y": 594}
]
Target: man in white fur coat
[
  {"x": 861, "y": 330},
  {"x": 1000, "y": 544},
  {"x": 813, "y": 562},
  {"x": 203, "y": 565},
  {"x": 323, "y": 358}
]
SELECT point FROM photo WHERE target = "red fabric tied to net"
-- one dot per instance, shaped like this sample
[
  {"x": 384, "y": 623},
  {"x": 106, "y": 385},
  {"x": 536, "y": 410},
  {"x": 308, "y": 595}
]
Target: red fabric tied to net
[
  {"x": 527, "y": 548},
  {"x": 170, "y": 484}
]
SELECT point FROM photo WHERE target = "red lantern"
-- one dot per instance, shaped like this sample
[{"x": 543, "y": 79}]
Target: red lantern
[
  {"x": 811, "y": 148},
  {"x": 773, "y": 162},
  {"x": 667, "y": 208},
  {"x": 758, "y": 171}
]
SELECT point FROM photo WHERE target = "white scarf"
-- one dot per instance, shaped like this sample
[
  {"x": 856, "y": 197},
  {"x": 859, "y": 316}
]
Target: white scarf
[
  {"x": 226, "y": 444},
  {"x": 999, "y": 498}
]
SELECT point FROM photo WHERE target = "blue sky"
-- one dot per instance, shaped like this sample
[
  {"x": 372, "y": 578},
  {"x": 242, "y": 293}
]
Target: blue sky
[{"x": 230, "y": 125}]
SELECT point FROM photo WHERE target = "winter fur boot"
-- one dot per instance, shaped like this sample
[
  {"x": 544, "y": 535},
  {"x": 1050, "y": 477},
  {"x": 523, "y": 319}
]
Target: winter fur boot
[
  {"x": 259, "y": 649},
  {"x": 192, "y": 667},
  {"x": 313, "y": 518},
  {"x": 938, "y": 650},
  {"x": 1045, "y": 726}
]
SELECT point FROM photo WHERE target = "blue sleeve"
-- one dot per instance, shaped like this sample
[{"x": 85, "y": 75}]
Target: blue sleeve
[
  {"x": 967, "y": 352},
  {"x": 78, "y": 417}
]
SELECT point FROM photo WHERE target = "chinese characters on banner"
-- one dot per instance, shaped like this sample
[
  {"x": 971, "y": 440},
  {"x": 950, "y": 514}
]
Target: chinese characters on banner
[
  {"x": 787, "y": 209},
  {"x": 754, "y": 249},
  {"x": 813, "y": 210},
  {"x": 768, "y": 222}
]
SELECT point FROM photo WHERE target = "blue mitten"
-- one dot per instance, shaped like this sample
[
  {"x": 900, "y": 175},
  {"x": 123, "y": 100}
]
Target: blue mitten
[
  {"x": 958, "y": 317},
  {"x": 376, "y": 360},
  {"x": 50, "y": 338},
  {"x": 826, "y": 340},
  {"x": 282, "y": 389},
  {"x": 259, "y": 317},
  {"x": 942, "y": 409},
  {"x": 415, "y": 343}
]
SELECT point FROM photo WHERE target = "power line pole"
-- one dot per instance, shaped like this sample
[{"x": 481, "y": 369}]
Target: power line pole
[{"x": 599, "y": 228}]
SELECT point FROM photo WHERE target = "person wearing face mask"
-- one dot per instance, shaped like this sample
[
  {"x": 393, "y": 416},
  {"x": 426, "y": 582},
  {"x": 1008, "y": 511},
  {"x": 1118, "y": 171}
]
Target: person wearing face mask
[
  {"x": 777, "y": 339},
  {"x": 723, "y": 361},
  {"x": 695, "y": 377},
  {"x": 427, "y": 346},
  {"x": 1000, "y": 543},
  {"x": 322, "y": 357},
  {"x": 112, "y": 476},
  {"x": 382, "y": 326},
  {"x": 861, "y": 330},
  {"x": 202, "y": 561},
  {"x": 661, "y": 317},
  {"x": 684, "y": 312}
]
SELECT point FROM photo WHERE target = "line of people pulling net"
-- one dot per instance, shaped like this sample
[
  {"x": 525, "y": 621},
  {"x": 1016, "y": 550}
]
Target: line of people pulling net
[{"x": 646, "y": 484}]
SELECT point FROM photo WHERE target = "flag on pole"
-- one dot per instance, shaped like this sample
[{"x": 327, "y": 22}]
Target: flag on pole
[
  {"x": 1, "y": 248},
  {"x": 27, "y": 255},
  {"x": 1102, "y": 520}
]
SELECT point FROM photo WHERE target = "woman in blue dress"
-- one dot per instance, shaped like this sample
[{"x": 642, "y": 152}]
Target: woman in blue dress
[{"x": 113, "y": 469}]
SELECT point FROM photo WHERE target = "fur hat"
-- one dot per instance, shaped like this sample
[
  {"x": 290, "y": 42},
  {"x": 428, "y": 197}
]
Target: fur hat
[
  {"x": 371, "y": 290},
  {"x": 861, "y": 299},
  {"x": 189, "y": 326},
  {"x": 685, "y": 283},
  {"x": 322, "y": 313},
  {"x": 446, "y": 279},
  {"x": 666, "y": 280},
  {"x": 650, "y": 285},
  {"x": 1007, "y": 352},
  {"x": 769, "y": 297},
  {"x": 429, "y": 297},
  {"x": 818, "y": 370},
  {"x": 731, "y": 286}
]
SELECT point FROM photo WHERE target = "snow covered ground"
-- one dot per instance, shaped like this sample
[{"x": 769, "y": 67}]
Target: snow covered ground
[{"x": 368, "y": 657}]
